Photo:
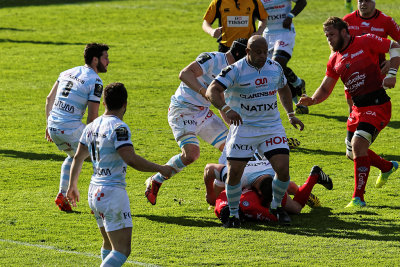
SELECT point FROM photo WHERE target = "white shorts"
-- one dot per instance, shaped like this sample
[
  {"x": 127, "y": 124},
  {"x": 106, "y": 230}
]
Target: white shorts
[
  {"x": 248, "y": 177},
  {"x": 187, "y": 123},
  {"x": 280, "y": 41},
  {"x": 110, "y": 206},
  {"x": 243, "y": 141},
  {"x": 67, "y": 140}
]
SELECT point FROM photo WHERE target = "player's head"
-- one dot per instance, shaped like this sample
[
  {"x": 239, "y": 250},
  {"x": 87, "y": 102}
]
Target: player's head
[
  {"x": 336, "y": 31},
  {"x": 257, "y": 51},
  {"x": 238, "y": 48},
  {"x": 265, "y": 189},
  {"x": 115, "y": 96},
  {"x": 96, "y": 54},
  {"x": 366, "y": 8}
]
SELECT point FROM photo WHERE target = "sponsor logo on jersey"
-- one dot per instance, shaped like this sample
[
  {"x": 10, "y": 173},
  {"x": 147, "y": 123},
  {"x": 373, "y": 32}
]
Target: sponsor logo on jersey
[
  {"x": 238, "y": 21},
  {"x": 69, "y": 75},
  {"x": 354, "y": 27},
  {"x": 122, "y": 134},
  {"x": 276, "y": 141},
  {"x": 357, "y": 53},
  {"x": 98, "y": 90},
  {"x": 226, "y": 9},
  {"x": 245, "y": 203},
  {"x": 373, "y": 29},
  {"x": 189, "y": 122},
  {"x": 260, "y": 107},
  {"x": 241, "y": 147},
  {"x": 126, "y": 215},
  {"x": 64, "y": 106},
  {"x": 256, "y": 164},
  {"x": 103, "y": 172},
  {"x": 261, "y": 82},
  {"x": 260, "y": 94},
  {"x": 355, "y": 81},
  {"x": 364, "y": 24},
  {"x": 277, "y": 17}
]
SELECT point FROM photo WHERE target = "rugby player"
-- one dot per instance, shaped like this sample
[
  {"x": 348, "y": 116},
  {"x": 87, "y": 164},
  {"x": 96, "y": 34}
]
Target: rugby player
[
  {"x": 74, "y": 90},
  {"x": 108, "y": 142},
  {"x": 355, "y": 59},
  {"x": 189, "y": 113},
  {"x": 251, "y": 86},
  {"x": 280, "y": 35}
]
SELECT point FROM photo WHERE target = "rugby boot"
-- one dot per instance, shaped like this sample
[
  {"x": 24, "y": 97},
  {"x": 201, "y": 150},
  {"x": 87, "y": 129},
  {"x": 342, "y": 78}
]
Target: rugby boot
[
  {"x": 152, "y": 188},
  {"x": 313, "y": 201},
  {"x": 282, "y": 216},
  {"x": 62, "y": 203},
  {"x": 232, "y": 222},
  {"x": 323, "y": 178},
  {"x": 383, "y": 176},
  {"x": 356, "y": 202}
]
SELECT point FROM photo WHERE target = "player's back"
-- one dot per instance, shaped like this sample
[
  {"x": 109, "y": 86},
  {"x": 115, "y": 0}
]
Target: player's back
[
  {"x": 103, "y": 137},
  {"x": 76, "y": 87},
  {"x": 277, "y": 12},
  {"x": 211, "y": 64}
]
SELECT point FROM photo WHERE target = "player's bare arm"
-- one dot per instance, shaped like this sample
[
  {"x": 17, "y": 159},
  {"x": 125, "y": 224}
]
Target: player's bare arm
[
  {"x": 49, "y": 105},
  {"x": 93, "y": 111},
  {"x": 73, "y": 193},
  {"x": 322, "y": 93},
  {"x": 262, "y": 24},
  {"x": 128, "y": 154},
  {"x": 298, "y": 7},
  {"x": 189, "y": 76},
  {"x": 207, "y": 28},
  {"x": 390, "y": 79},
  {"x": 213, "y": 94},
  {"x": 285, "y": 96}
]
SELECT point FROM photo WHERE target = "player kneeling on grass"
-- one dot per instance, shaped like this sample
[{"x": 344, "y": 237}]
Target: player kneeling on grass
[
  {"x": 257, "y": 190},
  {"x": 108, "y": 142}
]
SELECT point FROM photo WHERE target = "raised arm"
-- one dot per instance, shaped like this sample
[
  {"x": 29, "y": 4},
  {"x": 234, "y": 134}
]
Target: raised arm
[{"x": 189, "y": 76}]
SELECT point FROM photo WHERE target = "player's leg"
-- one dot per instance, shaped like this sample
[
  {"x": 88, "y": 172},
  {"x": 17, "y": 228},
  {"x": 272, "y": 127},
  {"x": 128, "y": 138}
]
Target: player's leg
[
  {"x": 213, "y": 130},
  {"x": 212, "y": 174},
  {"x": 106, "y": 247},
  {"x": 121, "y": 247}
]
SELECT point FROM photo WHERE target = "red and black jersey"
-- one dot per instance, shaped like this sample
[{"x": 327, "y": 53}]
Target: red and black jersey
[{"x": 358, "y": 64}]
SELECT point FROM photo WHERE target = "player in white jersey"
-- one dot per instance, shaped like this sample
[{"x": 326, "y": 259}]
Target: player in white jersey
[
  {"x": 251, "y": 86},
  {"x": 189, "y": 113},
  {"x": 280, "y": 35},
  {"x": 108, "y": 142},
  {"x": 74, "y": 90}
]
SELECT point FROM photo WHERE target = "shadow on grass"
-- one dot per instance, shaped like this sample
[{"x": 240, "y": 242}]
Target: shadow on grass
[
  {"x": 30, "y": 155},
  {"x": 359, "y": 225},
  {"x": 326, "y": 116},
  {"x": 15, "y": 29},
  {"x": 22, "y": 3},
  {"x": 38, "y": 42}
]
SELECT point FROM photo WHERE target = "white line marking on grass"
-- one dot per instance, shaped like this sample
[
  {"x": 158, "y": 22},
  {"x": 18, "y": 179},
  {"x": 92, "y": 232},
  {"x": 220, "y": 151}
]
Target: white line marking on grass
[{"x": 67, "y": 251}]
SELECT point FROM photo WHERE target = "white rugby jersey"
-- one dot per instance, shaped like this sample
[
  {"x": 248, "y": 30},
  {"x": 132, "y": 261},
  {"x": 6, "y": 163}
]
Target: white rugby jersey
[
  {"x": 103, "y": 137},
  {"x": 76, "y": 87},
  {"x": 277, "y": 12},
  {"x": 211, "y": 63},
  {"x": 257, "y": 166},
  {"x": 252, "y": 92}
]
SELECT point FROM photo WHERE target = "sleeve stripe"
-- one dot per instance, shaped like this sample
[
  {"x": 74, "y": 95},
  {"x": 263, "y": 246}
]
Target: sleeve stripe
[{"x": 126, "y": 144}]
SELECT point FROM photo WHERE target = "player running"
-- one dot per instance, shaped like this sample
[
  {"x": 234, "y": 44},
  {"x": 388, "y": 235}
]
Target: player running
[
  {"x": 189, "y": 113},
  {"x": 356, "y": 61},
  {"x": 107, "y": 140},
  {"x": 250, "y": 87},
  {"x": 74, "y": 90},
  {"x": 280, "y": 35}
]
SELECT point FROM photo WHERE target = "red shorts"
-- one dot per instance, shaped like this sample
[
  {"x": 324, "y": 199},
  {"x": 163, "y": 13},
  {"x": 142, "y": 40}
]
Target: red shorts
[{"x": 378, "y": 116}]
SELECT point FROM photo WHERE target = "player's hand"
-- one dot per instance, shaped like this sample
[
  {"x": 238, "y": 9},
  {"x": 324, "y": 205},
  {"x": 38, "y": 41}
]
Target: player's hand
[
  {"x": 305, "y": 101},
  {"x": 385, "y": 66},
  {"x": 73, "y": 195},
  {"x": 295, "y": 121},
  {"x": 234, "y": 118},
  {"x": 47, "y": 136},
  {"x": 210, "y": 198},
  {"x": 216, "y": 33},
  {"x": 167, "y": 171},
  {"x": 287, "y": 22},
  {"x": 389, "y": 82}
]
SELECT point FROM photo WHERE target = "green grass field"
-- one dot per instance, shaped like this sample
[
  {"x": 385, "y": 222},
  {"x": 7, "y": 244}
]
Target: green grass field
[{"x": 151, "y": 41}]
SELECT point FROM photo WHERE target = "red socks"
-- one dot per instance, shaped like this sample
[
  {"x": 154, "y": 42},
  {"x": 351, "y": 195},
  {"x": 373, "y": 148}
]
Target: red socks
[
  {"x": 379, "y": 162},
  {"x": 361, "y": 171},
  {"x": 304, "y": 191}
]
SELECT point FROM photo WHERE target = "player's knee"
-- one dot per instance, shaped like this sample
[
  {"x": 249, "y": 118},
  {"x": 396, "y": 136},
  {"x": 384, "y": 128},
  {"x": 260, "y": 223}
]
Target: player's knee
[{"x": 189, "y": 158}]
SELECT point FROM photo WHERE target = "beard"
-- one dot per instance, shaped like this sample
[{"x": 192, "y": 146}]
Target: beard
[
  {"x": 100, "y": 67},
  {"x": 339, "y": 44}
]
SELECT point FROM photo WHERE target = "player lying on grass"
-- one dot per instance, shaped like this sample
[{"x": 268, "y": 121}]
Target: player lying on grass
[{"x": 257, "y": 194}]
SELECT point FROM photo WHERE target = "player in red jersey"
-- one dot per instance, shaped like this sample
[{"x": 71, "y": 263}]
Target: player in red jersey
[
  {"x": 368, "y": 19},
  {"x": 355, "y": 59}
]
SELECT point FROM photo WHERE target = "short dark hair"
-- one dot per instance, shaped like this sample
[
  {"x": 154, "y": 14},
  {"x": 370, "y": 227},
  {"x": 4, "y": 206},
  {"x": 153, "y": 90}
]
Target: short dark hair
[
  {"x": 266, "y": 190},
  {"x": 115, "y": 96},
  {"x": 337, "y": 23},
  {"x": 94, "y": 50}
]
